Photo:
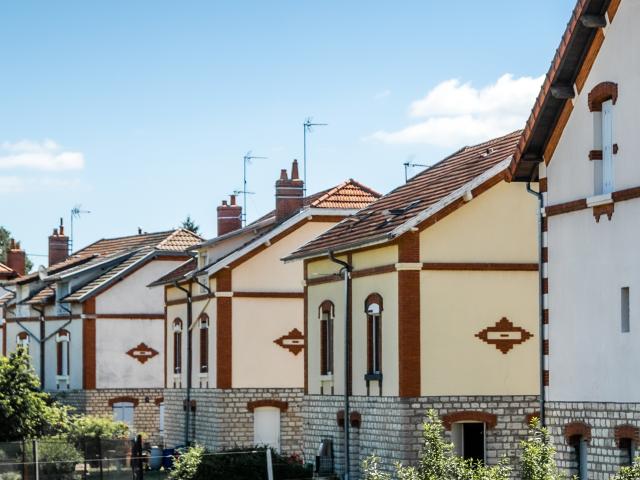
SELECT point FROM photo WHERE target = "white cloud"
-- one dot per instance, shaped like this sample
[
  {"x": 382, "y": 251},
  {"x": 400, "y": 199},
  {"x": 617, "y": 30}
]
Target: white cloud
[
  {"x": 45, "y": 156},
  {"x": 457, "y": 113}
]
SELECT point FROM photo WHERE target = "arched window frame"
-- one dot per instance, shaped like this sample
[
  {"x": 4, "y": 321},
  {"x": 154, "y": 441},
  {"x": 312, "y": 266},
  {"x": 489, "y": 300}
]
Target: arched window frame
[
  {"x": 373, "y": 307},
  {"x": 578, "y": 435},
  {"x": 326, "y": 314},
  {"x": 22, "y": 340},
  {"x": 601, "y": 100},
  {"x": 627, "y": 439},
  {"x": 177, "y": 346},
  {"x": 63, "y": 340},
  {"x": 204, "y": 342}
]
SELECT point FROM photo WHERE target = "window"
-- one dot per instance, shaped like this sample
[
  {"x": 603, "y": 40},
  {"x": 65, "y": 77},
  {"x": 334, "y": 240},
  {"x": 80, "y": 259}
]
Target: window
[
  {"x": 626, "y": 439},
  {"x": 327, "y": 311},
  {"x": 628, "y": 449},
  {"x": 602, "y": 99},
  {"x": 468, "y": 440},
  {"x": 62, "y": 350},
  {"x": 373, "y": 309},
  {"x": 578, "y": 436},
  {"x": 625, "y": 321},
  {"x": 177, "y": 345},
  {"x": 22, "y": 340},
  {"x": 123, "y": 412},
  {"x": 266, "y": 426},
  {"x": 204, "y": 343}
]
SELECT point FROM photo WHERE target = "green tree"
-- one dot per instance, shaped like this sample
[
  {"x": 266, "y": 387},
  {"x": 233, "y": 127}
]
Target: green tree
[
  {"x": 83, "y": 426},
  {"x": 538, "y": 455},
  {"x": 5, "y": 241},
  {"x": 25, "y": 411},
  {"x": 189, "y": 224}
]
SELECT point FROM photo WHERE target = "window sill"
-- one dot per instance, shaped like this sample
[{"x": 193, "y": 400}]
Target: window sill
[
  {"x": 326, "y": 378},
  {"x": 597, "y": 200},
  {"x": 373, "y": 377},
  {"x": 62, "y": 378}
]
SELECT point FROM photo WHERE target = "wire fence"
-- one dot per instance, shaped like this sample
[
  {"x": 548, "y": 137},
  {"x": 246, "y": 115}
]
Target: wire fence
[{"x": 100, "y": 459}]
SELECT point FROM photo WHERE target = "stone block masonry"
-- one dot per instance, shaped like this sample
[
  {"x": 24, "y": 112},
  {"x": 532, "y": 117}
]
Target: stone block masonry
[
  {"x": 146, "y": 416},
  {"x": 222, "y": 419},
  {"x": 604, "y": 456},
  {"x": 391, "y": 427}
]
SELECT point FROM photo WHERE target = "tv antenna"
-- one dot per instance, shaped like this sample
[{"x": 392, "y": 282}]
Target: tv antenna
[
  {"x": 75, "y": 213},
  {"x": 407, "y": 166},
  {"x": 308, "y": 127},
  {"x": 246, "y": 161}
]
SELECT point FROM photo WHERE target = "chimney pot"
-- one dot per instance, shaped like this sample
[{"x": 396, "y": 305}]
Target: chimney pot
[
  {"x": 294, "y": 170},
  {"x": 229, "y": 216},
  {"x": 233, "y": 199},
  {"x": 289, "y": 193},
  {"x": 58, "y": 246},
  {"x": 283, "y": 174}
]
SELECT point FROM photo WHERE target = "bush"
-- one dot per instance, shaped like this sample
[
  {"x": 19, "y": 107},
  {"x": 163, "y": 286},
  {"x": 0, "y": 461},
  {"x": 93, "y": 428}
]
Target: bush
[
  {"x": 87, "y": 426},
  {"x": 58, "y": 459},
  {"x": 629, "y": 473},
  {"x": 538, "y": 455},
  {"x": 237, "y": 463},
  {"x": 437, "y": 460}
]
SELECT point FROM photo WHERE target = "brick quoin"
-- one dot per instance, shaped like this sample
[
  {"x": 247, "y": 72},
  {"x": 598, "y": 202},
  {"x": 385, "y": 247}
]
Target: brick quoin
[
  {"x": 89, "y": 345},
  {"x": 224, "y": 317},
  {"x": 601, "y": 93},
  {"x": 409, "y": 317}
]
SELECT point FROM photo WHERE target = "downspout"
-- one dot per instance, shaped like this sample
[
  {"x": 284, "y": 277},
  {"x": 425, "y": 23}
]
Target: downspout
[
  {"x": 540, "y": 301},
  {"x": 42, "y": 344},
  {"x": 187, "y": 415},
  {"x": 346, "y": 272}
]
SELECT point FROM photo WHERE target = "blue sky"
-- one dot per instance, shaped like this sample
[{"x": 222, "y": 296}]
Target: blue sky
[{"x": 141, "y": 111}]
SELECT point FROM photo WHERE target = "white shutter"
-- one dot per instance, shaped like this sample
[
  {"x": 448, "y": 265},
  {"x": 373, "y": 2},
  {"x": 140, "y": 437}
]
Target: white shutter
[
  {"x": 607, "y": 146},
  {"x": 266, "y": 427}
]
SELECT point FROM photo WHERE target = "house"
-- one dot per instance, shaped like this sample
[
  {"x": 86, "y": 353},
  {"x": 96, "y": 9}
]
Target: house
[
  {"x": 581, "y": 144},
  {"x": 94, "y": 329},
  {"x": 15, "y": 267},
  {"x": 440, "y": 305},
  {"x": 234, "y": 340}
]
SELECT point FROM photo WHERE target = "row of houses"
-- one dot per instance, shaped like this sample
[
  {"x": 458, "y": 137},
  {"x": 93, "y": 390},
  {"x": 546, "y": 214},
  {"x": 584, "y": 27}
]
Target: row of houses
[{"x": 497, "y": 285}]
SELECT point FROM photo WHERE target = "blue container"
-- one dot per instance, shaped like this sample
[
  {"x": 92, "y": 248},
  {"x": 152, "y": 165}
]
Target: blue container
[{"x": 167, "y": 458}]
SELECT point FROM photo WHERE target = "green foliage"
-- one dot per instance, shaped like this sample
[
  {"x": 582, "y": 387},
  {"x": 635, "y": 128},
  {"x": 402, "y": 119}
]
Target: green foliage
[
  {"x": 437, "y": 460},
  {"x": 186, "y": 466},
  {"x": 629, "y": 473},
  {"x": 538, "y": 455},
  {"x": 58, "y": 458},
  {"x": 5, "y": 240},
  {"x": 237, "y": 463},
  {"x": 83, "y": 426},
  {"x": 189, "y": 224},
  {"x": 25, "y": 411}
]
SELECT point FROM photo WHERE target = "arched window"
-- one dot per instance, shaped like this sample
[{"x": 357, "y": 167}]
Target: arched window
[
  {"x": 204, "y": 343},
  {"x": 602, "y": 99},
  {"x": 627, "y": 437},
  {"x": 578, "y": 435},
  {"x": 22, "y": 340},
  {"x": 62, "y": 349},
  {"x": 373, "y": 309},
  {"x": 177, "y": 345},
  {"x": 326, "y": 313}
]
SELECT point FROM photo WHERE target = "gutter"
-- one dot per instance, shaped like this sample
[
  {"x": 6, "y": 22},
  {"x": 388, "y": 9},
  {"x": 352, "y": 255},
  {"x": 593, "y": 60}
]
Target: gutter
[{"x": 538, "y": 195}]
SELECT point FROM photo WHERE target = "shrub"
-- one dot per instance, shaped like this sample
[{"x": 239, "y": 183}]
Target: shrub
[
  {"x": 58, "y": 459},
  {"x": 629, "y": 473},
  {"x": 87, "y": 426},
  {"x": 538, "y": 455},
  {"x": 437, "y": 460},
  {"x": 186, "y": 466}
]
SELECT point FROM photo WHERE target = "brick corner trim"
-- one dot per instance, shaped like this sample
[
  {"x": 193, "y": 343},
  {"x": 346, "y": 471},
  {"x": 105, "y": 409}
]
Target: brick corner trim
[
  {"x": 626, "y": 432},
  {"x": 489, "y": 419},
  {"x": 601, "y": 93},
  {"x": 577, "y": 429},
  {"x": 355, "y": 419},
  {"x": 282, "y": 405},
  {"x": 159, "y": 400},
  {"x": 114, "y": 400}
]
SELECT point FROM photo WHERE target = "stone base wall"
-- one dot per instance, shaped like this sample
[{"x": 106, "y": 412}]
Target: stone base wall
[
  {"x": 604, "y": 456},
  {"x": 221, "y": 418},
  {"x": 391, "y": 427},
  {"x": 146, "y": 416}
]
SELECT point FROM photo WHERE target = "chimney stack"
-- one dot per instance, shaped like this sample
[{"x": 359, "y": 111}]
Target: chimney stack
[
  {"x": 16, "y": 258},
  {"x": 58, "y": 245},
  {"x": 229, "y": 216},
  {"x": 289, "y": 193}
]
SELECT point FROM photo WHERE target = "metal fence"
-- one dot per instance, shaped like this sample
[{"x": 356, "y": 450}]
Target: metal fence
[{"x": 65, "y": 459}]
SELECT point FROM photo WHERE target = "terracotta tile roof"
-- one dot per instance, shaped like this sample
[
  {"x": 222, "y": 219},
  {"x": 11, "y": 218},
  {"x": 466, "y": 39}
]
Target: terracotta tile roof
[
  {"x": 5, "y": 297},
  {"x": 349, "y": 195},
  {"x": 43, "y": 297},
  {"x": 106, "y": 279},
  {"x": 6, "y": 272},
  {"x": 58, "y": 267},
  {"x": 178, "y": 240},
  {"x": 565, "y": 67},
  {"x": 378, "y": 220},
  {"x": 177, "y": 274}
]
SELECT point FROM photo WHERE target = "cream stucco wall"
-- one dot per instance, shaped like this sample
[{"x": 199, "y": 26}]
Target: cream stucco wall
[
  {"x": 266, "y": 271},
  {"x": 590, "y": 262},
  {"x": 377, "y": 257},
  {"x": 497, "y": 226},
  {"x": 256, "y": 360}
]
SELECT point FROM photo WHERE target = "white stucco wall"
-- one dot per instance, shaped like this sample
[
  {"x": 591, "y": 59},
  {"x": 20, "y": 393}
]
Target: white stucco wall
[{"x": 589, "y": 262}]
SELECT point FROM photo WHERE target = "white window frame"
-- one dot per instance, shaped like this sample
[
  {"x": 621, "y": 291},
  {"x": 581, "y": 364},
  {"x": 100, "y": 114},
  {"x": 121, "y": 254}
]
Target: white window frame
[
  {"x": 457, "y": 437},
  {"x": 64, "y": 338}
]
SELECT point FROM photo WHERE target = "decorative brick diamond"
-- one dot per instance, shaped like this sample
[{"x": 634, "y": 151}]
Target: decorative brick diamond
[
  {"x": 142, "y": 352},
  {"x": 292, "y": 341},
  {"x": 504, "y": 335}
]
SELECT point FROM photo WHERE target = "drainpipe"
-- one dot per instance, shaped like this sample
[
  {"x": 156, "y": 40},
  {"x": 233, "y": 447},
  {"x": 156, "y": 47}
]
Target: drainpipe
[
  {"x": 346, "y": 272},
  {"x": 540, "y": 301},
  {"x": 187, "y": 415},
  {"x": 42, "y": 344}
]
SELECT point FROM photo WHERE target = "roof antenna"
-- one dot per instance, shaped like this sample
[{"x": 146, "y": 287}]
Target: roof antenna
[
  {"x": 307, "y": 125},
  {"x": 409, "y": 164},
  {"x": 246, "y": 161},
  {"x": 75, "y": 213}
]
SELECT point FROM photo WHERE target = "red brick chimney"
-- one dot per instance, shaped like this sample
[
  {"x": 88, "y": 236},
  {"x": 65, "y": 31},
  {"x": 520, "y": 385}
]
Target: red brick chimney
[
  {"x": 16, "y": 258},
  {"x": 58, "y": 245},
  {"x": 289, "y": 193},
  {"x": 229, "y": 216}
]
